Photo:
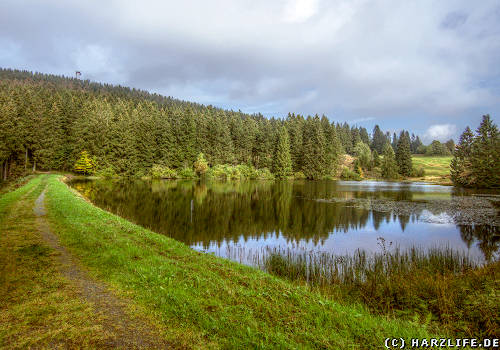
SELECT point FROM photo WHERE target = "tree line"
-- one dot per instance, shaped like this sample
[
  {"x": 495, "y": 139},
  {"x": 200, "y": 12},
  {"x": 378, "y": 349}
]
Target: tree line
[{"x": 50, "y": 122}]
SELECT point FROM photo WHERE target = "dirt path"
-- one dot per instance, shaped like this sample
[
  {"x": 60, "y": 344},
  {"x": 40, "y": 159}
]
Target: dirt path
[{"x": 128, "y": 332}]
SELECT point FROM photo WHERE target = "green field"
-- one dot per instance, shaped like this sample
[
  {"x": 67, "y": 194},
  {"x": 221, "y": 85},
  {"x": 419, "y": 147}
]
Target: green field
[
  {"x": 433, "y": 166},
  {"x": 194, "y": 300}
]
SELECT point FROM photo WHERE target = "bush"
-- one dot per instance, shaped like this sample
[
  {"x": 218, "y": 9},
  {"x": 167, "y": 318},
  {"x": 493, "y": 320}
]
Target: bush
[
  {"x": 299, "y": 175},
  {"x": 200, "y": 165},
  {"x": 187, "y": 173},
  {"x": 264, "y": 174},
  {"x": 162, "y": 172},
  {"x": 247, "y": 172},
  {"x": 420, "y": 172},
  {"x": 348, "y": 174},
  {"x": 218, "y": 172},
  {"x": 106, "y": 173}
]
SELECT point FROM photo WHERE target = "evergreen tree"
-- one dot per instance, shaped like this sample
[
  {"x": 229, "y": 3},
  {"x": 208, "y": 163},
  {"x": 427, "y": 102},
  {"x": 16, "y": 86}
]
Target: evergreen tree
[
  {"x": 460, "y": 167},
  {"x": 314, "y": 166},
  {"x": 295, "y": 126},
  {"x": 282, "y": 167},
  {"x": 486, "y": 154},
  {"x": 395, "y": 141},
  {"x": 363, "y": 134},
  {"x": 450, "y": 144},
  {"x": 364, "y": 155},
  {"x": 376, "y": 158},
  {"x": 403, "y": 155},
  {"x": 388, "y": 164},
  {"x": 378, "y": 140}
]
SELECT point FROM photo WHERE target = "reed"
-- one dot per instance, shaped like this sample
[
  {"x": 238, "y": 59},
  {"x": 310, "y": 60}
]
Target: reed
[{"x": 439, "y": 286}]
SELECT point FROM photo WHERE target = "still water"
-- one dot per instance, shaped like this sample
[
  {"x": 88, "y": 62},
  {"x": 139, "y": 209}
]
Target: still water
[{"x": 242, "y": 219}]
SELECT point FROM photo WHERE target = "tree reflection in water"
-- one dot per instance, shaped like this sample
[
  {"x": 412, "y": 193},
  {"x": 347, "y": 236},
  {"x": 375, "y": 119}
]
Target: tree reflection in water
[{"x": 210, "y": 213}]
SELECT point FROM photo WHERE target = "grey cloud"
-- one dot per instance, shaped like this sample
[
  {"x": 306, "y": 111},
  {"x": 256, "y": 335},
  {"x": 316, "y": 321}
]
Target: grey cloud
[{"x": 369, "y": 61}]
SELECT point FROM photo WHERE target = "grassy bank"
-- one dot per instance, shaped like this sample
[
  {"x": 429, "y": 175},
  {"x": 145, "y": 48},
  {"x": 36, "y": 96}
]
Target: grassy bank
[
  {"x": 200, "y": 300},
  {"x": 441, "y": 287},
  {"x": 38, "y": 307}
]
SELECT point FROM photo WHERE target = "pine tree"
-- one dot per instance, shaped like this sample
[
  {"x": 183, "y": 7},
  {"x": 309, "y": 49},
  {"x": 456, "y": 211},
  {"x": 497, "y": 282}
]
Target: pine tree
[
  {"x": 282, "y": 167},
  {"x": 403, "y": 154},
  {"x": 388, "y": 164}
]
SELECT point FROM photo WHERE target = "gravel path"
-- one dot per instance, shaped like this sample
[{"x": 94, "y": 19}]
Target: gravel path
[{"x": 128, "y": 332}]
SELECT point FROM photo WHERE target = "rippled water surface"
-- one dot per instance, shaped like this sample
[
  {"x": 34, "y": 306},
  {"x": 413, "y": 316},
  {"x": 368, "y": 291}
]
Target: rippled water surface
[{"x": 241, "y": 220}]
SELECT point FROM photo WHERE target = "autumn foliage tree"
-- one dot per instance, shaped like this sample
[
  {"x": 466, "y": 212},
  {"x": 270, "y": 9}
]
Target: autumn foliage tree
[{"x": 85, "y": 165}]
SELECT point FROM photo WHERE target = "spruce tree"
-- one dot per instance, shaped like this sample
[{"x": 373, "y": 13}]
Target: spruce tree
[
  {"x": 460, "y": 167},
  {"x": 282, "y": 166},
  {"x": 314, "y": 162},
  {"x": 378, "y": 140},
  {"x": 403, "y": 154},
  {"x": 376, "y": 158},
  {"x": 388, "y": 163},
  {"x": 485, "y": 155}
]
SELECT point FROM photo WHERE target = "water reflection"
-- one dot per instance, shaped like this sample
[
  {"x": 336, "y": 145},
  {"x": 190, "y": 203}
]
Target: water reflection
[{"x": 215, "y": 215}]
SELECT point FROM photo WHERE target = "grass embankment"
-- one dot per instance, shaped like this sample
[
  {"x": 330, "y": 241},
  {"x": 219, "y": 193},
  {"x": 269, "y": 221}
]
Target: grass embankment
[
  {"x": 437, "y": 168},
  {"x": 37, "y": 306},
  {"x": 440, "y": 287},
  {"x": 201, "y": 300}
]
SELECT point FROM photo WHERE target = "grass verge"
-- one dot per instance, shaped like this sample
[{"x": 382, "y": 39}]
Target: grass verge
[
  {"x": 206, "y": 301},
  {"x": 37, "y": 306}
]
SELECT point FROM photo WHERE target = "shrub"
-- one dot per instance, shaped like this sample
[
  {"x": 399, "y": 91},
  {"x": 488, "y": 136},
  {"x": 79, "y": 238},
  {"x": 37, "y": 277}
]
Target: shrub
[
  {"x": 348, "y": 174},
  {"x": 218, "y": 172},
  {"x": 106, "y": 173},
  {"x": 420, "y": 172},
  {"x": 200, "y": 165},
  {"x": 299, "y": 175},
  {"x": 162, "y": 172},
  {"x": 264, "y": 174},
  {"x": 187, "y": 173},
  {"x": 247, "y": 171}
]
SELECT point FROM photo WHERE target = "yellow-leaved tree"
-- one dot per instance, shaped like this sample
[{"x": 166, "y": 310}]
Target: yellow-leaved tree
[{"x": 85, "y": 165}]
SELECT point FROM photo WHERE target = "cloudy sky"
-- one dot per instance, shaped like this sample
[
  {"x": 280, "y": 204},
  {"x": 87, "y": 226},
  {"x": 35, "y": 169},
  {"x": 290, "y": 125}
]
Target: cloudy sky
[{"x": 430, "y": 66}]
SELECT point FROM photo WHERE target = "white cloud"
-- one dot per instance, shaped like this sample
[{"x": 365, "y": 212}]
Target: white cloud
[
  {"x": 440, "y": 132},
  {"x": 300, "y": 10}
]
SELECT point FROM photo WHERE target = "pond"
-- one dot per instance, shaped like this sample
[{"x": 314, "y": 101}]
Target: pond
[{"x": 243, "y": 220}]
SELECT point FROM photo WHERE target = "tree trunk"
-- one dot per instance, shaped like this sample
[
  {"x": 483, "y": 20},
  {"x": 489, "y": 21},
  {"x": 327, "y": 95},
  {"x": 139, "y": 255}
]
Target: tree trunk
[
  {"x": 34, "y": 165},
  {"x": 26, "y": 160}
]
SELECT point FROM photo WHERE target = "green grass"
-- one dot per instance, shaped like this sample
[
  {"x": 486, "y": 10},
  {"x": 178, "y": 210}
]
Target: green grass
[
  {"x": 433, "y": 166},
  {"x": 38, "y": 308},
  {"x": 440, "y": 286},
  {"x": 208, "y": 302}
]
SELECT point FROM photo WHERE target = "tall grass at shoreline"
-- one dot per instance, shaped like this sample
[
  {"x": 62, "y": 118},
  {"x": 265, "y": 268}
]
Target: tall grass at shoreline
[{"x": 440, "y": 286}]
